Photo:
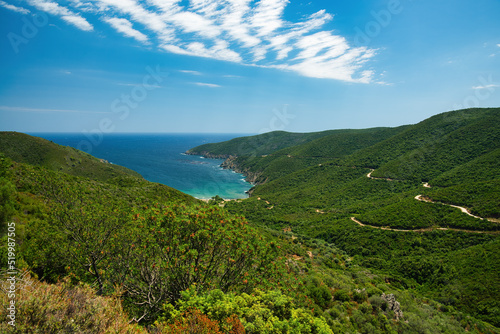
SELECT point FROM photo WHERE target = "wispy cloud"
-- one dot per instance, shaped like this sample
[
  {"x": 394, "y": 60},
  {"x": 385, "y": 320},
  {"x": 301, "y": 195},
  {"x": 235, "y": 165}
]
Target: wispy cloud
[
  {"x": 137, "y": 85},
  {"x": 63, "y": 12},
  {"x": 14, "y": 8},
  {"x": 45, "y": 110},
  {"x": 486, "y": 86},
  {"x": 241, "y": 31},
  {"x": 125, "y": 27},
  {"x": 202, "y": 84},
  {"x": 190, "y": 72}
]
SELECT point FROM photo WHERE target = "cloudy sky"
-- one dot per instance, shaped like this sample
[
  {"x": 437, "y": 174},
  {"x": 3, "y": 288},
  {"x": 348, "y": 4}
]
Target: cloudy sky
[{"x": 243, "y": 66}]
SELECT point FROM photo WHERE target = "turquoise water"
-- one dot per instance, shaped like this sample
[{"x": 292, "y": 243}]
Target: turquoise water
[{"x": 160, "y": 158}]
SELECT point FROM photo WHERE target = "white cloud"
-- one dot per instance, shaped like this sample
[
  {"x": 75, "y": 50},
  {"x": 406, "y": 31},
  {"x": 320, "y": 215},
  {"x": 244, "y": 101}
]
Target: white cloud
[
  {"x": 219, "y": 51},
  {"x": 67, "y": 15},
  {"x": 250, "y": 32},
  {"x": 190, "y": 72},
  {"x": 137, "y": 85},
  {"x": 202, "y": 84},
  {"x": 125, "y": 27},
  {"x": 151, "y": 20},
  {"x": 14, "y": 8},
  {"x": 486, "y": 86},
  {"x": 267, "y": 17},
  {"x": 192, "y": 22},
  {"x": 498, "y": 45}
]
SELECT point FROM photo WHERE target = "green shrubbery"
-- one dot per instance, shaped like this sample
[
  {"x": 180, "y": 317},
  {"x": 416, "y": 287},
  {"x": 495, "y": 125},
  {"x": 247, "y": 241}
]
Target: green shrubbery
[{"x": 259, "y": 312}]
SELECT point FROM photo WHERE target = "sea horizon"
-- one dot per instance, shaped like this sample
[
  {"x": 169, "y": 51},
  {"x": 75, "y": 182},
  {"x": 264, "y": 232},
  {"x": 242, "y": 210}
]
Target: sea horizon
[{"x": 161, "y": 158}]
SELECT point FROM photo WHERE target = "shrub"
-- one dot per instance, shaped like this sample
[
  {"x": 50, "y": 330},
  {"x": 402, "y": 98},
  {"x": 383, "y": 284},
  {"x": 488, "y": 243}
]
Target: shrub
[
  {"x": 341, "y": 295},
  {"x": 61, "y": 308}
]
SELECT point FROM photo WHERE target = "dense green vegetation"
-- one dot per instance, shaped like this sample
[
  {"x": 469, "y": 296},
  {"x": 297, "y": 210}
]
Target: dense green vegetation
[
  {"x": 455, "y": 153},
  {"x": 256, "y": 145},
  {"x": 109, "y": 245}
]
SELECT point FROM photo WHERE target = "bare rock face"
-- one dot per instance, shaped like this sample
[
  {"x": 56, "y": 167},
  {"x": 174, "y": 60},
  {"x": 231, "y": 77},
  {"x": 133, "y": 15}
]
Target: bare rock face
[{"x": 393, "y": 305}]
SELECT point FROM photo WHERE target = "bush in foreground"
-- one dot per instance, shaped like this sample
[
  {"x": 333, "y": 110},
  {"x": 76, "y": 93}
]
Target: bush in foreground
[{"x": 60, "y": 308}]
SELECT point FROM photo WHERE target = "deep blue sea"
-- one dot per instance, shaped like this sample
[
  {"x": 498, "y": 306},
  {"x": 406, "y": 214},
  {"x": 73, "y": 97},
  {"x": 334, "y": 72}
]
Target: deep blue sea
[{"x": 160, "y": 158}]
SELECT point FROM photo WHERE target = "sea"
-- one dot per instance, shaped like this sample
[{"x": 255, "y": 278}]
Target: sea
[{"x": 160, "y": 158}]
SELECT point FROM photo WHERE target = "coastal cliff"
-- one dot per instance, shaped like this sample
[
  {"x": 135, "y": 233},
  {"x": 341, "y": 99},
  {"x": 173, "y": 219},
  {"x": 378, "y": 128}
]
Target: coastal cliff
[
  {"x": 207, "y": 154},
  {"x": 252, "y": 177},
  {"x": 231, "y": 162}
]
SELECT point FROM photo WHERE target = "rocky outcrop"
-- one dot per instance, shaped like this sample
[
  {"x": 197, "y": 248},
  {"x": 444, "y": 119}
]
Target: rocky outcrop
[
  {"x": 393, "y": 305},
  {"x": 208, "y": 155},
  {"x": 230, "y": 162},
  {"x": 252, "y": 177}
]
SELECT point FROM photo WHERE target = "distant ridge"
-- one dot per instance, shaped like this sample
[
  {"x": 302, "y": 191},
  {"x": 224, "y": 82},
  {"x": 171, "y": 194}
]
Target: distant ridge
[{"x": 37, "y": 151}]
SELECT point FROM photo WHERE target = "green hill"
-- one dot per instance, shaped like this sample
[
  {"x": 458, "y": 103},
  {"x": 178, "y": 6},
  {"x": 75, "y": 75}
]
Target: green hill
[
  {"x": 376, "y": 176},
  {"x": 256, "y": 145},
  {"x": 482, "y": 168},
  {"x": 333, "y": 146},
  {"x": 114, "y": 250},
  {"x": 421, "y": 136},
  {"x": 37, "y": 151}
]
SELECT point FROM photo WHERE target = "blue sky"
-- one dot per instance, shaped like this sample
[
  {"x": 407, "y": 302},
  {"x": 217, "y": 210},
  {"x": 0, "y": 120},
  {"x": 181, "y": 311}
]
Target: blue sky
[{"x": 242, "y": 66}]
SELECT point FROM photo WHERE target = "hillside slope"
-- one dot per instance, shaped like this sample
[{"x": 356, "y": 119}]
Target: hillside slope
[
  {"x": 335, "y": 145},
  {"x": 406, "y": 188},
  {"x": 258, "y": 145},
  {"x": 37, "y": 151},
  {"x": 171, "y": 261}
]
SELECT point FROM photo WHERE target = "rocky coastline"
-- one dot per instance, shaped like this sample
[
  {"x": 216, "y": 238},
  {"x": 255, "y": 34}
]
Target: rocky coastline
[{"x": 230, "y": 162}]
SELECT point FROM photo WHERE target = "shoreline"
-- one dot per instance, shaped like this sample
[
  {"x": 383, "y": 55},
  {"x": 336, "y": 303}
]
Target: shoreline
[{"x": 206, "y": 200}]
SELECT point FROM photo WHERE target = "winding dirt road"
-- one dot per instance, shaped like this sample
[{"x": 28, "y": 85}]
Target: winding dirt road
[
  {"x": 421, "y": 230},
  {"x": 423, "y": 199},
  {"x": 464, "y": 210}
]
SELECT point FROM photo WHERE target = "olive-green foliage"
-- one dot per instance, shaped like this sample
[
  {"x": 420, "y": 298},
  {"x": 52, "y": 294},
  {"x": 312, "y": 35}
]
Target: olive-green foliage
[
  {"x": 333, "y": 146},
  {"x": 106, "y": 235},
  {"x": 418, "y": 138},
  {"x": 319, "y": 292},
  {"x": 172, "y": 248},
  {"x": 341, "y": 295},
  {"x": 156, "y": 242},
  {"x": 483, "y": 168},
  {"x": 7, "y": 193},
  {"x": 457, "y": 150},
  {"x": 259, "y": 312},
  {"x": 482, "y": 198},
  {"x": 256, "y": 145},
  {"x": 411, "y": 214},
  {"x": 448, "y": 150}
]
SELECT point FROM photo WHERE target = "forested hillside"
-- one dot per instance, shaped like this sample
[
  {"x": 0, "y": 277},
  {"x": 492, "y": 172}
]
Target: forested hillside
[
  {"x": 420, "y": 202},
  {"x": 322, "y": 248}
]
